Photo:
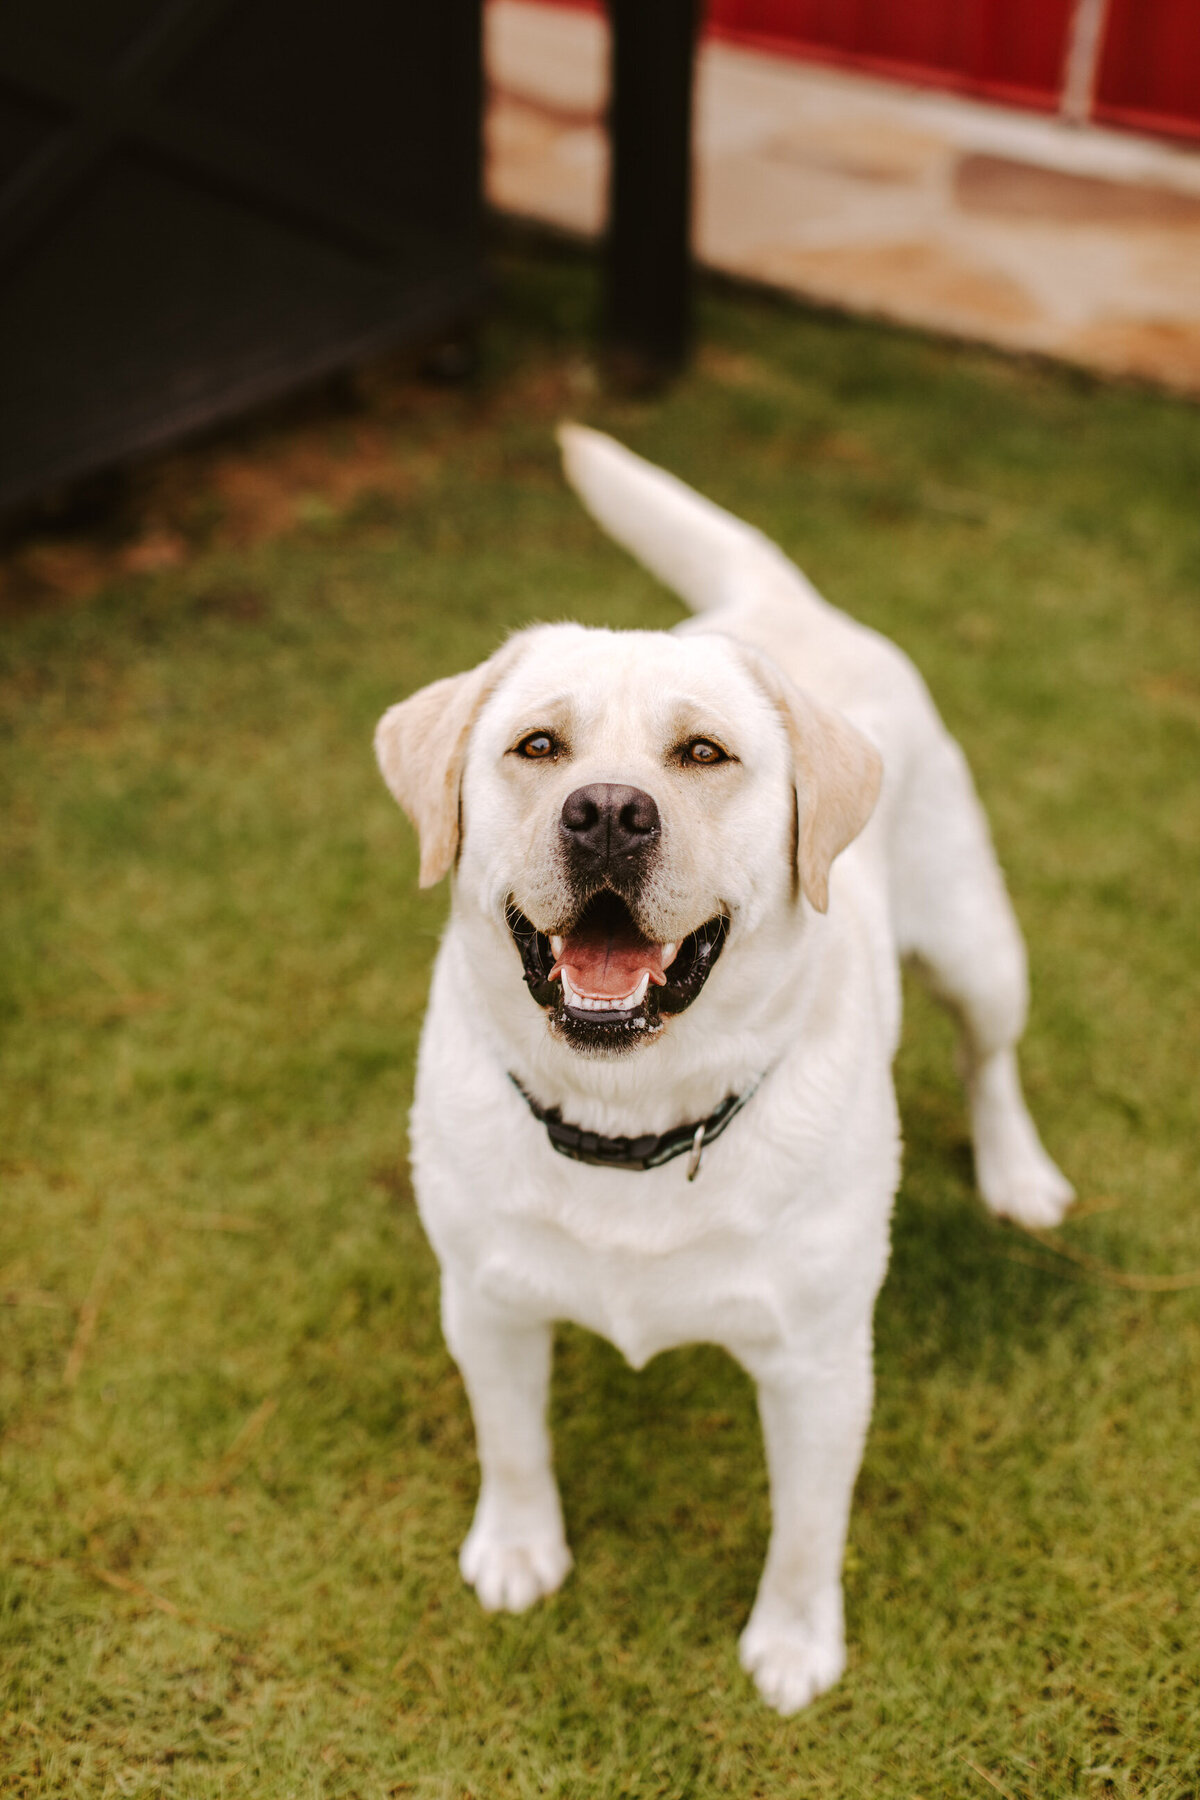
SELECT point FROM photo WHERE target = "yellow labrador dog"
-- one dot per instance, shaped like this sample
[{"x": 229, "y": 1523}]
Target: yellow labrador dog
[{"x": 654, "y": 1093}]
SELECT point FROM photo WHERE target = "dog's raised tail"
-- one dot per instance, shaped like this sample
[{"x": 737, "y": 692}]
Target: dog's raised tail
[{"x": 703, "y": 553}]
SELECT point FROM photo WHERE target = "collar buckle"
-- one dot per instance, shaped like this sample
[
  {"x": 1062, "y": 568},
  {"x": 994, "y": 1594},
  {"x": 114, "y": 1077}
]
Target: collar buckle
[{"x": 697, "y": 1150}]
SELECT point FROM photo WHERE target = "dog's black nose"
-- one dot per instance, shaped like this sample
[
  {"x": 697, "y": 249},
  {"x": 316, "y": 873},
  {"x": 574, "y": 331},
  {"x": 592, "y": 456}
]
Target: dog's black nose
[{"x": 607, "y": 824}]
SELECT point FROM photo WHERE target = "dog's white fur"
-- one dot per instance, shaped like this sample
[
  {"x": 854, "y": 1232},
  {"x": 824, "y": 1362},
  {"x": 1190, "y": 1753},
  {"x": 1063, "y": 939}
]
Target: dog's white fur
[{"x": 778, "y": 1249}]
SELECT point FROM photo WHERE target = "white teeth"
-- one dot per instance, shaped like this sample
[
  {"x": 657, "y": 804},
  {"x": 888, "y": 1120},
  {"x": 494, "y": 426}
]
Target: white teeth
[
  {"x": 556, "y": 945},
  {"x": 669, "y": 953},
  {"x": 608, "y": 1004}
]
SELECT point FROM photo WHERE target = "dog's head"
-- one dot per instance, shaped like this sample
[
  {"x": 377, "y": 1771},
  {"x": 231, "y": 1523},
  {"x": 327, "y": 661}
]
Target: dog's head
[{"x": 624, "y": 802}]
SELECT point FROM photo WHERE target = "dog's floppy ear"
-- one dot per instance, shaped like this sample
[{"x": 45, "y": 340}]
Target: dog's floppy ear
[
  {"x": 421, "y": 746},
  {"x": 839, "y": 773}
]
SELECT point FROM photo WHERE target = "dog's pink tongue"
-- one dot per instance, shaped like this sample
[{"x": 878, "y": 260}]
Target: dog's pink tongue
[{"x": 605, "y": 968}]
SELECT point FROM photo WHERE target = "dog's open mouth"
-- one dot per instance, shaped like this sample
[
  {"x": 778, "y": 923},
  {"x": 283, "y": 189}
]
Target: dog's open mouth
[{"x": 604, "y": 977}]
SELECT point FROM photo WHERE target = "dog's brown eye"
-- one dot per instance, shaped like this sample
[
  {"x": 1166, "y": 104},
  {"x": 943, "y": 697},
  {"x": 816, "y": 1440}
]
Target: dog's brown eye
[
  {"x": 700, "y": 750},
  {"x": 537, "y": 744}
]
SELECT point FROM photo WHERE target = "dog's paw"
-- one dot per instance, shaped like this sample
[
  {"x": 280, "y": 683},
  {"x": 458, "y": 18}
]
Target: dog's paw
[
  {"x": 1015, "y": 1176},
  {"x": 510, "y": 1571},
  {"x": 794, "y": 1657},
  {"x": 1024, "y": 1185}
]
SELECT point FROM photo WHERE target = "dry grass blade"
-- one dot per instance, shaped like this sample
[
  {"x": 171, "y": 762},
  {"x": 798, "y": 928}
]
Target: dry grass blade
[
  {"x": 1041, "y": 1263},
  {"x": 241, "y": 1443},
  {"x": 1095, "y": 1265},
  {"x": 89, "y": 1312},
  {"x": 124, "y": 1584},
  {"x": 32, "y": 1297},
  {"x": 990, "y": 1779},
  {"x": 1087, "y": 1209}
]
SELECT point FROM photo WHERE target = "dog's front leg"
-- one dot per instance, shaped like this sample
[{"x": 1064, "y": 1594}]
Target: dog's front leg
[
  {"x": 515, "y": 1550},
  {"x": 814, "y": 1413}
]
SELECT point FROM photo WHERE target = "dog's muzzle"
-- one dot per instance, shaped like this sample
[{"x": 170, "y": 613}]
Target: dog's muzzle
[{"x": 605, "y": 985}]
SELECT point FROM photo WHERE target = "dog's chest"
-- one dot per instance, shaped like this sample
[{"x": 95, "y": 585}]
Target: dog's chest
[
  {"x": 740, "y": 1257},
  {"x": 716, "y": 1292}
]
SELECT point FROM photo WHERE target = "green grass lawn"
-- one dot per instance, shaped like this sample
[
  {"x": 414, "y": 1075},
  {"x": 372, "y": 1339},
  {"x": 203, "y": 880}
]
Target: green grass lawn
[{"x": 236, "y": 1458}]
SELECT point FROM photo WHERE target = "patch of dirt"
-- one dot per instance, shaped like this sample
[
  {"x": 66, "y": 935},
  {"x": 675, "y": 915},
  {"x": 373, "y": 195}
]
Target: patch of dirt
[
  {"x": 734, "y": 367},
  {"x": 252, "y": 482},
  {"x": 1176, "y": 693},
  {"x": 237, "y": 602},
  {"x": 849, "y": 449},
  {"x": 264, "y": 497}
]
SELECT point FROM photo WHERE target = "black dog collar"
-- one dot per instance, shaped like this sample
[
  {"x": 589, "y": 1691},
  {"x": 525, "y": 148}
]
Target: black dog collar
[{"x": 640, "y": 1152}]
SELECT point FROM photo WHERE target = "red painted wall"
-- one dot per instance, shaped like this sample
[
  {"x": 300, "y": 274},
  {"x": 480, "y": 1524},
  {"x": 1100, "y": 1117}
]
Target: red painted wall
[
  {"x": 1149, "y": 74},
  {"x": 1009, "y": 49}
]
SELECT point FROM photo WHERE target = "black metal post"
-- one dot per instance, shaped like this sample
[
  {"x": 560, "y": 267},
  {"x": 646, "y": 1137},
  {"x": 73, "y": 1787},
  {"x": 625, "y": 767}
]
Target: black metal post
[{"x": 647, "y": 325}]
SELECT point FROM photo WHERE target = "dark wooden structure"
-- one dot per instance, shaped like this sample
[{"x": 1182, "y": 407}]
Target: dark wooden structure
[
  {"x": 647, "y": 324},
  {"x": 203, "y": 202}
]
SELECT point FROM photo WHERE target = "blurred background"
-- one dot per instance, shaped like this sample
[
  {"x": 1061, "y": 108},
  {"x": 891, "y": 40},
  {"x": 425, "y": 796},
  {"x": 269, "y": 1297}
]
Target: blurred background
[
  {"x": 291, "y": 299},
  {"x": 1023, "y": 172},
  {"x": 207, "y": 203}
]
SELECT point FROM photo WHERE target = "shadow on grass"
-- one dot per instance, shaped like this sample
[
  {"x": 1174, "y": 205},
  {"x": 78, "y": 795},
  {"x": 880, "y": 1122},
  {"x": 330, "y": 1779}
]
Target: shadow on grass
[{"x": 663, "y": 1468}]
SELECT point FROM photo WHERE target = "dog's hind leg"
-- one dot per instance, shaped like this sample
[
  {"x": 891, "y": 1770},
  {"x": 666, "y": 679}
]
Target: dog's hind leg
[
  {"x": 953, "y": 916},
  {"x": 515, "y": 1551}
]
